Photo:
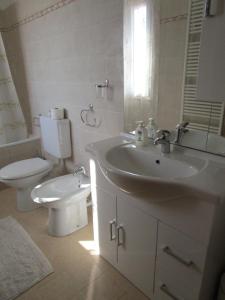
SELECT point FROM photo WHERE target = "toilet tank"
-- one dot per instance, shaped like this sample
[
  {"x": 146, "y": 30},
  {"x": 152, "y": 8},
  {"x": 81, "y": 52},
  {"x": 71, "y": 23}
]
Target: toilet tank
[{"x": 55, "y": 136}]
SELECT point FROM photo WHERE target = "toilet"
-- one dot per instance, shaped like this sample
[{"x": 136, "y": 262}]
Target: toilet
[
  {"x": 64, "y": 196},
  {"x": 66, "y": 200},
  {"x": 24, "y": 175}
]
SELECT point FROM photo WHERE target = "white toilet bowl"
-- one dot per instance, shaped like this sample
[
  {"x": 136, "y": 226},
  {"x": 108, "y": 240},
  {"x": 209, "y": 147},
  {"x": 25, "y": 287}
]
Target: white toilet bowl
[
  {"x": 24, "y": 175},
  {"x": 66, "y": 199}
]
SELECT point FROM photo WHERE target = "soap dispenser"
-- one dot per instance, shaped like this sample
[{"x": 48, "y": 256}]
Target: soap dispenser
[
  {"x": 151, "y": 128},
  {"x": 141, "y": 134}
]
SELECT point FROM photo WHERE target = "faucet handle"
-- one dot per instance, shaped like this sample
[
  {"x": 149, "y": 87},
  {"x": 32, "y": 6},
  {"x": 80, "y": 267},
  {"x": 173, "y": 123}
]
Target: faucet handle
[
  {"x": 79, "y": 170},
  {"x": 163, "y": 139},
  {"x": 182, "y": 125},
  {"x": 181, "y": 128},
  {"x": 163, "y": 133}
]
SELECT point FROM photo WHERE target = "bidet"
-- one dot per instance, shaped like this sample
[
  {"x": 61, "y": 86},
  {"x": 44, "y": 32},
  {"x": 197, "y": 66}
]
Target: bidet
[{"x": 66, "y": 199}]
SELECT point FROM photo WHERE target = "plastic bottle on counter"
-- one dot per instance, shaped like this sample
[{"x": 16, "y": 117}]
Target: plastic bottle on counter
[
  {"x": 141, "y": 134},
  {"x": 151, "y": 128}
]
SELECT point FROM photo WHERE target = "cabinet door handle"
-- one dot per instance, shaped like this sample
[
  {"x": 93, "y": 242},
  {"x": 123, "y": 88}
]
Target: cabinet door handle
[
  {"x": 166, "y": 291},
  {"x": 120, "y": 237},
  {"x": 112, "y": 236},
  {"x": 187, "y": 263},
  {"x": 208, "y": 4}
]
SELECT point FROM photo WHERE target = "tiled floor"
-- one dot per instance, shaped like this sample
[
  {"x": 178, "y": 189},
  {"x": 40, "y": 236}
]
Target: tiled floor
[{"x": 78, "y": 275}]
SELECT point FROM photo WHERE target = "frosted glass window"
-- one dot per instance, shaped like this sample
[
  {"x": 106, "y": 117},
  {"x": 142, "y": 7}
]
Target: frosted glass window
[{"x": 140, "y": 58}]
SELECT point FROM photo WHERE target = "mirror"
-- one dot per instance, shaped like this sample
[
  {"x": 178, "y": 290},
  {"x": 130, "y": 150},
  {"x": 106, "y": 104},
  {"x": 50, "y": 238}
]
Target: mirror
[{"x": 181, "y": 70}]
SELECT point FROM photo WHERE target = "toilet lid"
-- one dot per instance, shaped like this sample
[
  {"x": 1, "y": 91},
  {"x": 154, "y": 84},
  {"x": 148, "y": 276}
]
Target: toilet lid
[{"x": 24, "y": 168}]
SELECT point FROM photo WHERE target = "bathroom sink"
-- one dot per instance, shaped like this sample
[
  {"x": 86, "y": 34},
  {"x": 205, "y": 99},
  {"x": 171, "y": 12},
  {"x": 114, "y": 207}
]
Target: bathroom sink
[
  {"x": 148, "y": 174},
  {"x": 134, "y": 161}
]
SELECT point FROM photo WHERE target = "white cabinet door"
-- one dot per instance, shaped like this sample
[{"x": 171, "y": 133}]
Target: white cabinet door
[
  {"x": 136, "y": 245},
  {"x": 106, "y": 210}
]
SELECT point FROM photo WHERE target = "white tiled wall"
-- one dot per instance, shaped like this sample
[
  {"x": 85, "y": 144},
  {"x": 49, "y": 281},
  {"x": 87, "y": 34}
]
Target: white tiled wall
[{"x": 57, "y": 59}]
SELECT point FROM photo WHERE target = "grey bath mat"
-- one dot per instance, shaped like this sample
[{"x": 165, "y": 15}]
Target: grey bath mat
[{"x": 22, "y": 264}]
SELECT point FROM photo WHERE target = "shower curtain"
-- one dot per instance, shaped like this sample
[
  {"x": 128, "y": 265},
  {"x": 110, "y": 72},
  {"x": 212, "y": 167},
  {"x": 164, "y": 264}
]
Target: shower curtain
[{"x": 12, "y": 122}]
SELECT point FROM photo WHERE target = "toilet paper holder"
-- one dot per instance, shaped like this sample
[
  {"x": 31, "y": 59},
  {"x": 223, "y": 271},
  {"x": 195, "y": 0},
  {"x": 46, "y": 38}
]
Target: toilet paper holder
[{"x": 102, "y": 85}]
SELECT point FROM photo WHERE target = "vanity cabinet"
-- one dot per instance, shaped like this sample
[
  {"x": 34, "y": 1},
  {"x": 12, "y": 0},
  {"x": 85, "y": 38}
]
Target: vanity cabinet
[
  {"x": 127, "y": 239},
  {"x": 169, "y": 250}
]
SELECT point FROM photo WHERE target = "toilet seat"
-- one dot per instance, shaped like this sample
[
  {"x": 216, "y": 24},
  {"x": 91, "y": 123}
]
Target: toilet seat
[{"x": 24, "y": 168}]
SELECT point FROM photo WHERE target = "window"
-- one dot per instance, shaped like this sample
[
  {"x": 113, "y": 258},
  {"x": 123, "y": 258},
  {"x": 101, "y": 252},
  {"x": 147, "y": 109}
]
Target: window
[
  {"x": 141, "y": 26},
  {"x": 139, "y": 51}
]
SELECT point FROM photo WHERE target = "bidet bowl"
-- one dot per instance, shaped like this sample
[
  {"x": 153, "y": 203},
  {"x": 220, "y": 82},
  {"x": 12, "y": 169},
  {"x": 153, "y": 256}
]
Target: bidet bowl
[
  {"x": 66, "y": 199},
  {"x": 62, "y": 190}
]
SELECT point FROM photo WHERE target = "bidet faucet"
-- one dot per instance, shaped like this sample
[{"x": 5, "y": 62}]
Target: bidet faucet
[
  {"x": 79, "y": 170},
  {"x": 180, "y": 130},
  {"x": 163, "y": 140}
]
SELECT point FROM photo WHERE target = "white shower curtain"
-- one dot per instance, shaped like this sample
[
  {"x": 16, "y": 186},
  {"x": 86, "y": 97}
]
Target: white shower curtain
[
  {"x": 12, "y": 123},
  {"x": 140, "y": 82}
]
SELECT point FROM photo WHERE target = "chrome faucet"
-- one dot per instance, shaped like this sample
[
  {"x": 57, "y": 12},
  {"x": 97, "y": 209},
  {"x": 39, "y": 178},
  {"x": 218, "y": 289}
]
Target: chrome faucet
[
  {"x": 163, "y": 139},
  {"x": 180, "y": 130},
  {"x": 79, "y": 170}
]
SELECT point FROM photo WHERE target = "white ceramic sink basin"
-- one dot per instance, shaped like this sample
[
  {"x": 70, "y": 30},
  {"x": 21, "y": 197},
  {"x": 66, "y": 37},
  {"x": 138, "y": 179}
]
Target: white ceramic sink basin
[
  {"x": 130, "y": 159},
  {"x": 148, "y": 174}
]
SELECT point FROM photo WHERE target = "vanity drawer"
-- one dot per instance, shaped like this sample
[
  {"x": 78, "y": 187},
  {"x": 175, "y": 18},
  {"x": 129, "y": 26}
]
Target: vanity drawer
[
  {"x": 166, "y": 292},
  {"x": 179, "y": 266}
]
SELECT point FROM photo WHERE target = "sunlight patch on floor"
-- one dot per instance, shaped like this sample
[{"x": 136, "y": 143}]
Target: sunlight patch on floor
[{"x": 90, "y": 246}]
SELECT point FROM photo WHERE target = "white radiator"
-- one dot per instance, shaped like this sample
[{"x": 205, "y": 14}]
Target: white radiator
[{"x": 202, "y": 115}]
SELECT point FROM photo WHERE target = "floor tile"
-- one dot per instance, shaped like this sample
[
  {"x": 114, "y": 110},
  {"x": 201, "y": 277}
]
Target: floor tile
[{"x": 78, "y": 273}]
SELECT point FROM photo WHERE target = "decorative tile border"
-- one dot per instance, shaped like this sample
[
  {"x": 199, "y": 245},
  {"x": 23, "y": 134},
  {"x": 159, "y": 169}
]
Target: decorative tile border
[
  {"x": 37, "y": 15},
  {"x": 9, "y": 105},
  {"x": 174, "y": 19},
  {"x": 63, "y": 3},
  {"x": 5, "y": 80}
]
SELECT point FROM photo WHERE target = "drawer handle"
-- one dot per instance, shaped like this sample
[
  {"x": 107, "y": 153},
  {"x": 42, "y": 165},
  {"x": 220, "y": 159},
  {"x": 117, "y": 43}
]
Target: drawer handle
[
  {"x": 120, "y": 238},
  {"x": 187, "y": 263},
  {"x": 165, "y": 290},
  {"x": 112, "y": 236}
]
